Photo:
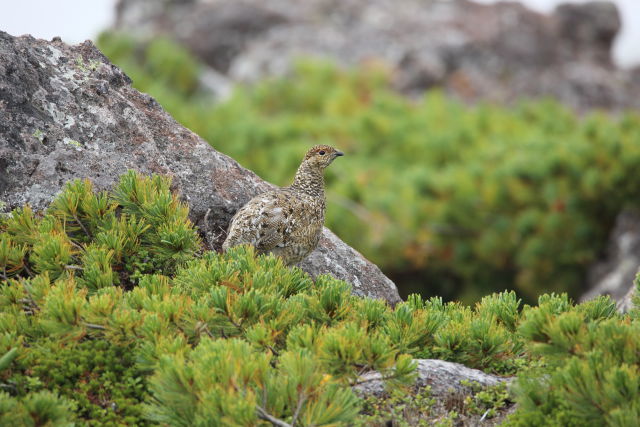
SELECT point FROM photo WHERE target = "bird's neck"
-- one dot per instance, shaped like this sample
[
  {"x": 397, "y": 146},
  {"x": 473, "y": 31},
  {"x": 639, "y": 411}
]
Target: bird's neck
[{"x": 309, "y": 180}]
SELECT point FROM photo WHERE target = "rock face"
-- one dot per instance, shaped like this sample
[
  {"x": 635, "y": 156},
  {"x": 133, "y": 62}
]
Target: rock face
[
  {"x": 497, "y": 52},
  {"x": 66, "y": 112},
  {"x": 614, "y": 274}
]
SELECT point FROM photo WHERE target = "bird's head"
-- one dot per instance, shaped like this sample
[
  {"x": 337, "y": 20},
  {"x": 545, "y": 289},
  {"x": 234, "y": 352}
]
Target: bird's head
[{"x": 321, "y": 156}]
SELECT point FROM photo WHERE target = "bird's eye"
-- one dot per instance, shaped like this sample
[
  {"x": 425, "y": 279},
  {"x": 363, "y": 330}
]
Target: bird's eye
[{"x": 321, "y": 152}]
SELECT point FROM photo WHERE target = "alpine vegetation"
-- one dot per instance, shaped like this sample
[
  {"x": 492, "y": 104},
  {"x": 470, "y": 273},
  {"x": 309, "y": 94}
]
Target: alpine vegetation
[
  {"x": 112, "y": 313},
  {"x": 420, "y": 168}
]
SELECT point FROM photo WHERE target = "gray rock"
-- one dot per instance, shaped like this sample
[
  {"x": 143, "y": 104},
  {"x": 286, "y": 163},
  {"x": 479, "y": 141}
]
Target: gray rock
[
  {"x": 595, "y": 24},
  {"x": 443, "y": 377},
  {"x": 615, "y": 273},
  {"x": 444, "y": 380},
  {"x": 498, "y": 52},
  {"x": 625, "y": 304},
  {"x": 66, "y": 112},
  {"x": 215, "y": 31}
]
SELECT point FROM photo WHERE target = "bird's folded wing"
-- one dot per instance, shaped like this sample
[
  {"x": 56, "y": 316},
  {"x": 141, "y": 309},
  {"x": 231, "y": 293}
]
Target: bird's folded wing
[
  {"x": 273, "y": 226},
  {"x": 262, "y": 223}
]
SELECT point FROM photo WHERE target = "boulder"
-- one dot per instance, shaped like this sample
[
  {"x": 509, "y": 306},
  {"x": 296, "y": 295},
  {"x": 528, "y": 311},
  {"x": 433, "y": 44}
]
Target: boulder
[
  {"x": 66, "y": 112},
  {"x": 499, "y": 52}
]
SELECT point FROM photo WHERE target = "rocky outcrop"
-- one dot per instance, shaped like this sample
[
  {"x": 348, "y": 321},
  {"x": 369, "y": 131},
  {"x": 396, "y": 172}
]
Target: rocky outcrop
[
  {"x": 498, "y": 52},
  {"x": 615, "y": 273},
  {"x": 66, "y": 112}
]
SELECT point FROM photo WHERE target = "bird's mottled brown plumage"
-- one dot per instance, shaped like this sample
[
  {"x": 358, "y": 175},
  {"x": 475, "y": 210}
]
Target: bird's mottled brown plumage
[{"x": 286, "y": 222}]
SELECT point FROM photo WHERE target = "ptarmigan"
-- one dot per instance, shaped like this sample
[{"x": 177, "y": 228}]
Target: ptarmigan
[{"x": 286, "y": 222}]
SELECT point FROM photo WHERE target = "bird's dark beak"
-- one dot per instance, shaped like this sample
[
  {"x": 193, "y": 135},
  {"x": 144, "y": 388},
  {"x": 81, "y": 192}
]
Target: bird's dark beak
[{"x": 339, "y": 153}]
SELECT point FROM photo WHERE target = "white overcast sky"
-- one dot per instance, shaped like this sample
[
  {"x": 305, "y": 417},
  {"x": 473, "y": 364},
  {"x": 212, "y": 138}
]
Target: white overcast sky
[{"x": 78, "y": 20}]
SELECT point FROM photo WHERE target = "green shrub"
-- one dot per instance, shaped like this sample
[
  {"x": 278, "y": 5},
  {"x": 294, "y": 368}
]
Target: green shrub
[
  {"x": 448, "y": 199},
  {"x": 592, "y": 357},
  {"x": 110, "y": 313},
  {"x": 37, "y": 409},
  {"x": 107, "y": 301}
]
